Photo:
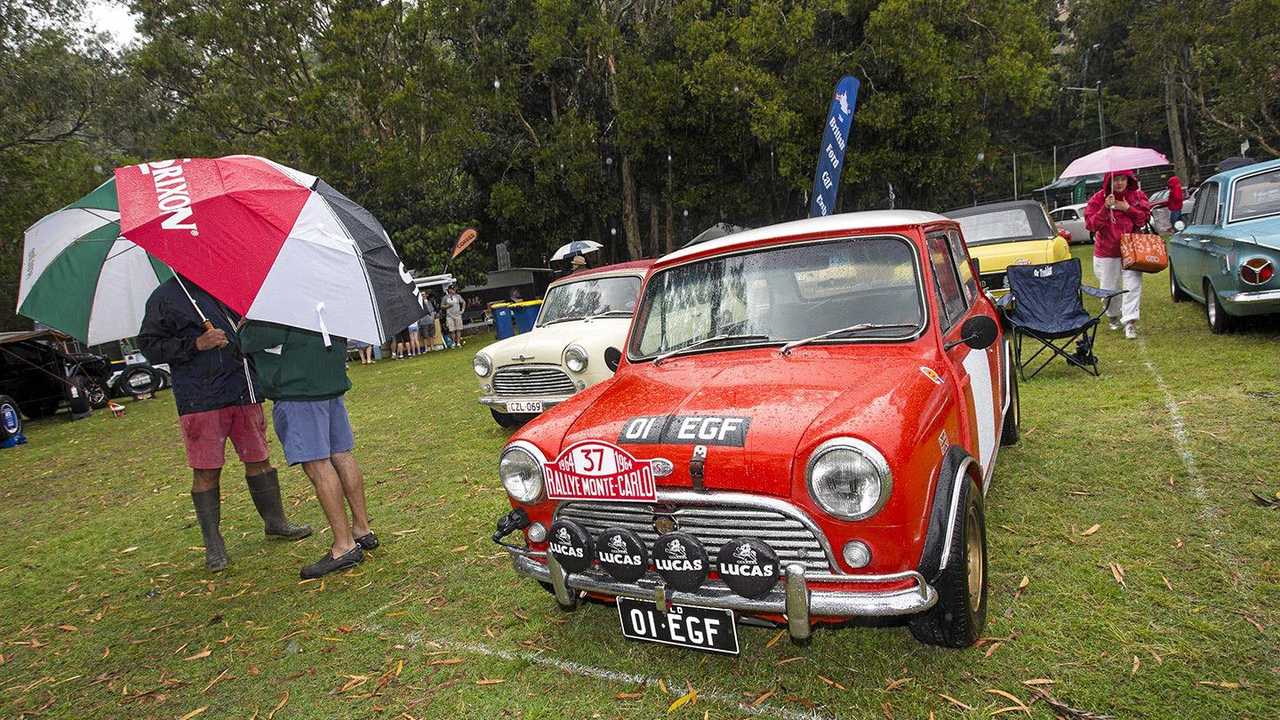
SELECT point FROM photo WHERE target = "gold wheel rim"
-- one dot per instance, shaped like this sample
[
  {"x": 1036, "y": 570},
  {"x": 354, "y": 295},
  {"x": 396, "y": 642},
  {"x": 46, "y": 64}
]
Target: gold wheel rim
[{"x": 973, "y": 549}]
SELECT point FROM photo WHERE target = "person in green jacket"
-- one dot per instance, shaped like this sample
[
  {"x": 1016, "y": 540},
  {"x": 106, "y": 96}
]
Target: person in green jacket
[{"x": 305, "y": 376}]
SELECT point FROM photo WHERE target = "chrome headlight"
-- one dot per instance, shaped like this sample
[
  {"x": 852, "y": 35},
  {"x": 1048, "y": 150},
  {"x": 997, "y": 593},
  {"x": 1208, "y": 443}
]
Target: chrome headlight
[
  {"x": 849, "y": 478},
  {"x": 575, "y": 358},
  {"x": 521, "y": 474},
  {"x": 482, "y": 365}
]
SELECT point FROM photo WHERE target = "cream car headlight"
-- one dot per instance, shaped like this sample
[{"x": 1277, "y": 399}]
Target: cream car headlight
[
  {"x": 482, "y": 365},
  {"x": 849, "y": 478},
  {"x": 575, "y": 358},
  {"x": 521, "y": 474}
]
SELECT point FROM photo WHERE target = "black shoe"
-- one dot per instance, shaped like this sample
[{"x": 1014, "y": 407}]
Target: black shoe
[
  {"x": 368, "y": 542},
  {"x": 208, "y": 506},
  {"x": 329, "y": 563},
  {"x": 265, "y": 490}
]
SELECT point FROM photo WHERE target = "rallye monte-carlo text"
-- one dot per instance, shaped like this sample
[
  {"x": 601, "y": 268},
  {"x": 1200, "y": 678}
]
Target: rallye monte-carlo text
[{"x": 802, "y": 430}]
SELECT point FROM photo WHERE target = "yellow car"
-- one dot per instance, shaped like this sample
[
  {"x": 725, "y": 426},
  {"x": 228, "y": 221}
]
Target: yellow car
[{"x": 1009, "y": 233}]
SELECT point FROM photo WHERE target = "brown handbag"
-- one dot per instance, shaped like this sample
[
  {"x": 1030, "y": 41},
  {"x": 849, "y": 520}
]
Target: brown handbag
[{"x": 1143, "y": 252}]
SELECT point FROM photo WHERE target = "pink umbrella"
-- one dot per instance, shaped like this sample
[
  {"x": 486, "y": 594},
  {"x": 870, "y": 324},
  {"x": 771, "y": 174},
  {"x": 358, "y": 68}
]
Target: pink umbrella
[{"x": 1114, "y": 159}]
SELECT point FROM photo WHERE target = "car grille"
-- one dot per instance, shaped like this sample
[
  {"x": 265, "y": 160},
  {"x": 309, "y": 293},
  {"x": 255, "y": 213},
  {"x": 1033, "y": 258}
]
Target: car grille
[
  {"x": 532, "y": 381},
  {"x": 711, "y": 525}
]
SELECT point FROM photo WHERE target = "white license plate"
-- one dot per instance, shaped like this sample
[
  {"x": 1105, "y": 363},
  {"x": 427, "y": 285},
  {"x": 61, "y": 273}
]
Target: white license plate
[{"x": 524, "y": 406}]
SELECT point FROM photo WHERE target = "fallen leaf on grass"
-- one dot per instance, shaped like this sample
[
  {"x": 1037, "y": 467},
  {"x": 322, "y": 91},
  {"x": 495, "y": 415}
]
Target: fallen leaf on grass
[
  {"x": 629, "y": 696},
  {"x": 284, "y": 700},
  {"x": 1011, "y": 698},
  {"x": 68, "y": 628},
  {"x": 1009, "y": 709},
  {"x": 762, "y": 697},
  {"x": 689, "y": 697},
  {"x": 353, "y": 682},
  {"x": 398, "y": 533},
  {"x": 202, "y": 654},
  {"x": 1117, "y": 572},
  {"x": 1220, "y": 684},
  {"x": 1033, "y": 682},
  {"x": 954, "y": 701},
  {"x": 784, "y": 661},
  {"x": 831, "y": 682},
  {"x": 128, "y": 550},
  {"x": 490, "y": 681},
  {"x": 994, "y": 646},
  {"x": 447, "y": 661},
  {"x": 216, "y": 680},
  {"x": 895, "y": 684},
  {"x": 1167, "y": 583},
  {"x": 774, "y": 640},
  {"x": 194, "y": 713},
  {"x": 1136, "y": 664},
  {"x": 1092, "y": 529},
  {"x": 1022, "y": 586}
]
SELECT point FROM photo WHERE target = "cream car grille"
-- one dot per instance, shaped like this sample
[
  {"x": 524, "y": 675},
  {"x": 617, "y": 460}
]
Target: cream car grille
[
  {"x": 711, "y": 525},
  {"x": 532, "y": 381}
]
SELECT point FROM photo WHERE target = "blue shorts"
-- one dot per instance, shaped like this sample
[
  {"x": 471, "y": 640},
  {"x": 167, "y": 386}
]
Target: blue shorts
[{"x": 312, "y": 429}]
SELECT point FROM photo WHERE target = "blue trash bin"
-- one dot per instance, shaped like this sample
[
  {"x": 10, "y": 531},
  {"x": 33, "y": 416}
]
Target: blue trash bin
[
  {"x": 503, "y": 320},
  {"x": 526, "y": 314}
]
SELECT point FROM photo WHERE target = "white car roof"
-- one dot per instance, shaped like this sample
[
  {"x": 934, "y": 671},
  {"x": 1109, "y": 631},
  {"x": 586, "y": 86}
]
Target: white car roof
[{"x": 829, "y": 224}]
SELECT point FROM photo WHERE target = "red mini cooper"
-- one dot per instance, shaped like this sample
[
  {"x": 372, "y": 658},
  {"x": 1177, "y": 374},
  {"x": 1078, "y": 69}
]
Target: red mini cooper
[{"x": 801, "y": 430}]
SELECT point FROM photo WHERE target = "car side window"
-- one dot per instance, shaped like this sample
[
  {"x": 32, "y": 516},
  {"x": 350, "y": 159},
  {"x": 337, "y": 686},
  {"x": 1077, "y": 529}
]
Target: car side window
[
  {"x": 946, "y": 282},
  {"x": 1207, "y": 204},
  {"x": 964, "y": 269}
]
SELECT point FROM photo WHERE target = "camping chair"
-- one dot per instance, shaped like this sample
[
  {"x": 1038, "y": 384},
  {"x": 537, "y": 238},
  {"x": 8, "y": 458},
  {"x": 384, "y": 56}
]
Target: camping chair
[{"x": 1046, "y": 303}]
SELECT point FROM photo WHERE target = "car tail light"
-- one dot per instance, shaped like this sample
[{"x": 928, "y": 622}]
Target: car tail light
[{"x": 1257, "y": 271}]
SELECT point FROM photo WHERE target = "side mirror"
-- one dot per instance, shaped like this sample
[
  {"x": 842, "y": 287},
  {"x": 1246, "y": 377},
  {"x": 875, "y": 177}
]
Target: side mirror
[
  {"x": 978, "y": 332},
  {"x": 612, "y": 357},
  {"x": 1179, "y": 226}
]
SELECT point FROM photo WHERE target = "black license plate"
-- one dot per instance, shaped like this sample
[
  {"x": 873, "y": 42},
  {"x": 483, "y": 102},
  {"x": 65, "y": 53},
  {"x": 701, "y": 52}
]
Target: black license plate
[{"x": 700, "y": 628}]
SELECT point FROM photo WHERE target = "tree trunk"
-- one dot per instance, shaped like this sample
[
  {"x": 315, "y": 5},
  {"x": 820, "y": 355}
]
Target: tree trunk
[
  {"x": 630, "y": 211},
  {"x": 671, "y": 223},
  {"x": 1173, "y": 118},
  {"x": 655, "y": 226}
]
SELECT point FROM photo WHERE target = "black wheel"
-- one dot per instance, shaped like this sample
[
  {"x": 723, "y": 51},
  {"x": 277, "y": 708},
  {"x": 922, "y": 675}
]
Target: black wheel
[
  {"x": 80, "y": 397},
  {"x": 96, "y": 392},
  {"x": 1220, "y": 321},
  {"x": 164, "y": 380},
  {"x": 1176, "y": 293},
  {"x": 10, "y": 418},
  {"x": 506, "y": 420},
  {"x": 138, "y": 381},
  {"x": 961, "y": 613},
  {"x": 1012, "y": 416}
]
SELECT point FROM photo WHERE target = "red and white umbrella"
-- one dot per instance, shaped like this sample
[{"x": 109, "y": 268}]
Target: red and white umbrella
[{"x": 272, "y": 243}]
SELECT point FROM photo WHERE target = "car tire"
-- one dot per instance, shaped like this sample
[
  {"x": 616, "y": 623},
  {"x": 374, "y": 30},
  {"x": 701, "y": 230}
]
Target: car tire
[
  {"x": 1176, "y": 293},
  {"x": 959, "y": 617},
  {"x": 164, "y": 380},
  {"x": 125, "y": 385},
  {"x": 10, "y": 418},
  {"x": 506, "y": 420},
  {"x": 1220, "y": 321},
  {"x": 1013, "y": 416}
]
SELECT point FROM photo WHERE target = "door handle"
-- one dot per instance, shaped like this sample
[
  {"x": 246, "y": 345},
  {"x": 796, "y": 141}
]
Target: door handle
[{"x": 1205, "y": 240}]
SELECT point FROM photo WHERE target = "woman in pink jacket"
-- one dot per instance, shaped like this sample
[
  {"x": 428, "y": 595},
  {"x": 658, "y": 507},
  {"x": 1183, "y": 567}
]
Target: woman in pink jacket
[{"x": 1119, "y": 207}]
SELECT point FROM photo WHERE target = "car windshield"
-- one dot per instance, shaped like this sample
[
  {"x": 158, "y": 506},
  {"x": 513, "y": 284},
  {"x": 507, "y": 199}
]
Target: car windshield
[
  {"x": 777, "y": 295},
  {"x": 1256, "y": 196},
  {"x": 1003, "y": 224},
  {"x": 594, "y": 296}
]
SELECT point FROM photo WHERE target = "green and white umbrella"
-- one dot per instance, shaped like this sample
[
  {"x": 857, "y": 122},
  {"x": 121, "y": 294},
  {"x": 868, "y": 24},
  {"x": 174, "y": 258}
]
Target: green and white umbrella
[{"x": 80, "y": 277}]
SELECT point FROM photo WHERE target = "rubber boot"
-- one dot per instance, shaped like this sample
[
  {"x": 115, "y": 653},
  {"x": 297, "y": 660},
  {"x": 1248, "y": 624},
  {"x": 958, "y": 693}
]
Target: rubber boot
[
  {"x": 209, "y": 513},
  {"x": 265, "y": 489}
]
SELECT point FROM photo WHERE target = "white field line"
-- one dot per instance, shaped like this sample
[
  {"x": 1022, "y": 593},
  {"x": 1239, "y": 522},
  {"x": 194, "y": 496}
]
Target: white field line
[
  {"x": 674, "y": 688},
  {"x": 1178, "y": 425}
]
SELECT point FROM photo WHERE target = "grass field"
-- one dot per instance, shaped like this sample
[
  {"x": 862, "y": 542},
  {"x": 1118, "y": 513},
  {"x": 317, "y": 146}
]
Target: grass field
[{"x": 1170, "y": 607}]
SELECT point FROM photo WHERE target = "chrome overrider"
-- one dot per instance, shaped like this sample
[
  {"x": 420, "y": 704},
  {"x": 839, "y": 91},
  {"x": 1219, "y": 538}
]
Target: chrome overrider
[{"x": 794, "y": 599}]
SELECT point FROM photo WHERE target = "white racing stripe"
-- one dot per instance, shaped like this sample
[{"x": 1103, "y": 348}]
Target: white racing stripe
[{"x": 675, "y": 688}]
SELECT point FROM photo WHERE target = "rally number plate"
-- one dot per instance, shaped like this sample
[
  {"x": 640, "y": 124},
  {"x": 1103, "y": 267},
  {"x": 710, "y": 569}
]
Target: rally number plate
[
  {"x": 700, "y": 628},
  {"x": 524, "y": 406}
]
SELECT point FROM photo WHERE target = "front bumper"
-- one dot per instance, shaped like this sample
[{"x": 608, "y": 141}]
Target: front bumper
[
  {"x": 794, "y": 600},
  {"x": 499, "y": 403}
]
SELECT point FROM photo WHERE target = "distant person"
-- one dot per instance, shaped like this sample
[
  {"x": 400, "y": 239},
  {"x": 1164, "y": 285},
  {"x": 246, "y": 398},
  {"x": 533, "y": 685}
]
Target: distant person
[
  {"x": 1174, "y": 201},
  {"x": 1118, "y": 208},
  {"x": 400, "y": 346},
  {"x": 578, "y": 263},
  {"x": 516, "y": 296},
  {"x": 415, "y": 347},
  {"x": 453, "y": 307},
  {"x": 427, "y": 324},
  {"x": 216, "y": 390},
  {"x": 306, "y": 379},
  {"x": 365, "y": 351}
]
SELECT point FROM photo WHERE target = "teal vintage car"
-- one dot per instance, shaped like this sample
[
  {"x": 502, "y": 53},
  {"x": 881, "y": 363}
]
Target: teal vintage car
[{"x": 1225, "y": 254}]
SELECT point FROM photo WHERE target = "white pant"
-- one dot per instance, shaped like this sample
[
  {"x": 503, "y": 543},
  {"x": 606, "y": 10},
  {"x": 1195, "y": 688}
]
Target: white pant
[{"x": 1126, "y": 307}]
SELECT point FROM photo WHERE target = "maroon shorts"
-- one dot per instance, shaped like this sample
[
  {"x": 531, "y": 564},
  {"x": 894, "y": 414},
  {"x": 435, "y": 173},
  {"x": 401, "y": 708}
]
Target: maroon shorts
[{"x": 205, "y": 434}]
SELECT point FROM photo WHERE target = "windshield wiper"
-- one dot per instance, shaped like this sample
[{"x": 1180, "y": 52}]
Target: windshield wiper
[
  {"x": 566, "y": 318},
  {"x": 704, "y": 343},
  {"x": 851, "y": 330}
]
